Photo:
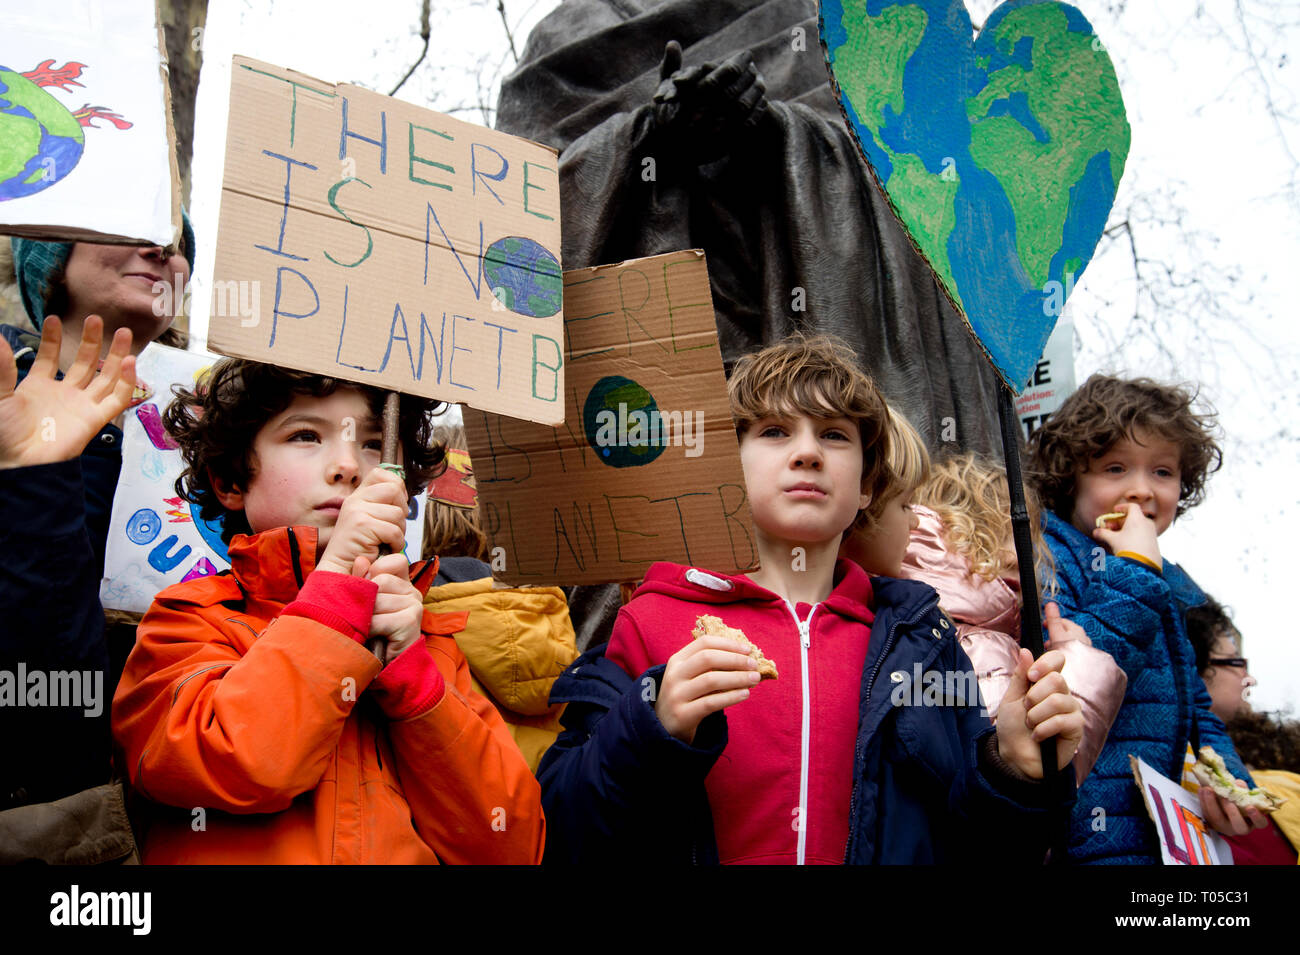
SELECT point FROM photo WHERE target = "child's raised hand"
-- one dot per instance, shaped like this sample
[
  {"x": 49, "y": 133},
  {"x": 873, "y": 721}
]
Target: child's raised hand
[
  {"x": 45, "y": 420},
  {"x": 1137, "y": 536},
  {"x": 1060, "y": 630},
  {"x": 372, "y": 515},
  {"x": 706, "y": 675},
  {"x": 1038, "y": 705},
  {"x": 399, "y": 609}
]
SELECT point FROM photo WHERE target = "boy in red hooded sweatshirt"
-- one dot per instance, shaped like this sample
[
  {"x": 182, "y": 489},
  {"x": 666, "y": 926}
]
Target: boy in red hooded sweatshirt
[{"x": 844, "y": 757}]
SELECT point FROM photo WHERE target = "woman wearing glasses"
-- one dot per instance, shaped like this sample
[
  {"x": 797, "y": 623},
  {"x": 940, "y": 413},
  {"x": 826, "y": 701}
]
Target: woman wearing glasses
[{"x": 1217, "y": 643}]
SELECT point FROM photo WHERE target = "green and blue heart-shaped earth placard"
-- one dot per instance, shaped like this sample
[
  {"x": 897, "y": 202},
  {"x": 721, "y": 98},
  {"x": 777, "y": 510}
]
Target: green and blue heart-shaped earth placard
[{"x": 1000, "y": 155}]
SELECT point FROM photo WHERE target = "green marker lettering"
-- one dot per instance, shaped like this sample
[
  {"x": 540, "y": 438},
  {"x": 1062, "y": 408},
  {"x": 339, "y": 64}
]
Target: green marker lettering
[
  {"x": 528, "y": 185},
  {"x": 333, "y": 200},
  {"x": 413, "y": 158}
]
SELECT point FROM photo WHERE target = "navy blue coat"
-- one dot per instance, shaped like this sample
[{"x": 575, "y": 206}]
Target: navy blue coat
[
  {"x": 53, "y": 526},
  {"x": 929, "y": 786},
  {"x": 1135, "y": 615}
]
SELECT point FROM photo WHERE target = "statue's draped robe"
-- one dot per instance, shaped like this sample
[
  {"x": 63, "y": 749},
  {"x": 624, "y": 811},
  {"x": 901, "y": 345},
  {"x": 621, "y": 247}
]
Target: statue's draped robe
[{"x": 796, "y": 233}]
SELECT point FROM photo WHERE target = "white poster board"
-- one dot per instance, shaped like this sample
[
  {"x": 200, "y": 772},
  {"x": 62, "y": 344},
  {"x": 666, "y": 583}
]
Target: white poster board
[
  {"x": 1052, "y": 380},
  {"x": 85, "y": 141},
  {"x": 155, "y": 538},
  {"x": 1185, "y": 838}
]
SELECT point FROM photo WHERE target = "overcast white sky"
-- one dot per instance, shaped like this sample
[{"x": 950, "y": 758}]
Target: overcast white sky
[{"x": 1201, "y": 136}]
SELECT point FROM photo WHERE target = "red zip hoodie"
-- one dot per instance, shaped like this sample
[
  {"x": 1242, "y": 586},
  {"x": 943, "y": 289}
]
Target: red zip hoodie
[{"x": 780, "y": 791}]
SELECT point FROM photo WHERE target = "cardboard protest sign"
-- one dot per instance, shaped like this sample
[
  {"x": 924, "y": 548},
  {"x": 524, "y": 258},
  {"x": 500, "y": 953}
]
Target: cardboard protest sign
[
  {"x": 1000, "y": 154},
  {"x": 1185, "y": 838},
  {"x": 1051, "y": 381},
  {"x": 72, "y": 170},
  {"x": 155, "y": 537},
  {"x": 365, "y": 238},
  {"x": 646, "y": 465}
]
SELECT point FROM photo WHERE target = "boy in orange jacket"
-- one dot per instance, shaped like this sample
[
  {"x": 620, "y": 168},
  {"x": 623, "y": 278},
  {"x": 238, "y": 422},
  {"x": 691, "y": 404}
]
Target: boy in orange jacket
[{"x": 303, "y": 707}]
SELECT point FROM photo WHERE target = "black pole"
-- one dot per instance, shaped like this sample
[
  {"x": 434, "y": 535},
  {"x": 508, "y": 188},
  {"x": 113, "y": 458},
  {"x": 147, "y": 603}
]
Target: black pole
[{"x": 1031, "y": 623}]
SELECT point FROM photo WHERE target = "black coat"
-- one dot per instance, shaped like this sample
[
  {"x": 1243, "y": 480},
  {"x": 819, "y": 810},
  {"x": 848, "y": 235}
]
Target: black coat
[
  {"x": 928, "y": 784},
  {"x": 53, "y": 527}
]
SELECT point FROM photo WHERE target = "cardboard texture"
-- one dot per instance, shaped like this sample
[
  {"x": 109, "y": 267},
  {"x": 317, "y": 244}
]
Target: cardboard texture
[
  {"x": 1000, "y": 155},
  {"x": 1185, "y": 838},
  {"x": 156, "y": 538},
  {"x": 609, "y": 493},
  {"x": 70, "y": 170},
  {"x": 365, "y": 238}
]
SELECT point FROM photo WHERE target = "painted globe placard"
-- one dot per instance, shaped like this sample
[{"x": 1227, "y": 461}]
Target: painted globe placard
[
  {"x": 622, "y": 423},
  {"x": 524, "y": 276},
  {"x": 41, "y": 139},
  {"x": 1000, "y": 154}
]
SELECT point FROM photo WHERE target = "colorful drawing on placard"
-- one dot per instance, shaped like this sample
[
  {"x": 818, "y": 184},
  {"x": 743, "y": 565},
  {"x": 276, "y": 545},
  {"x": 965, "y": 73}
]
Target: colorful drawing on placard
[
  {"x": 153, "y": 465},
  {"x": 41, "y": 140},
  {"x": 524, "y": 276},
  {"x": 151, "y": 419},
  {"x": 455, "y": 487},
  {"x": 1184, "y": 837},
  {"x": 646, "y": 465},
  {"x": 211, "y": 532},
  {"x": 999, "y": 153},
  {"x": 622, "y": 423}
]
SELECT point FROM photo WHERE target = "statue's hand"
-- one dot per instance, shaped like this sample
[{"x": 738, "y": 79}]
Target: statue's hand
[{"x": 707, "y": 108}]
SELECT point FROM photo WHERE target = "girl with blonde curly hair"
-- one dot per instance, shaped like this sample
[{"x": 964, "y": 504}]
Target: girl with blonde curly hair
[
  {"x": 948, "y": 524},
  {"x": 962, "y": 546}
]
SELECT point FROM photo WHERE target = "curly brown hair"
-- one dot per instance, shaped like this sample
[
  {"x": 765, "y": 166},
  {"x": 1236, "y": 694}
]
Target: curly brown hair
[
  {"x": 1266, "y": 740},
  {"x": 1205, "y": 624},
  {"x": 216, "y": 423},
  {"x": 817, "y": 376},
  {"x": 1108, "y": 409}
]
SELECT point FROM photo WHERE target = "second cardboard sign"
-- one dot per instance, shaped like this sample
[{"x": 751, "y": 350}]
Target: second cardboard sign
[{"x": 646, "y": 466}]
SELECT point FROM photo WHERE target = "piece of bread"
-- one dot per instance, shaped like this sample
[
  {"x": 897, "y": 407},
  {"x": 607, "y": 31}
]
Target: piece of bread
[
  {"x": 1210, "y": 770},
  {"x": 707, "y": 625},
  {"x": 1115, "y": 516}
]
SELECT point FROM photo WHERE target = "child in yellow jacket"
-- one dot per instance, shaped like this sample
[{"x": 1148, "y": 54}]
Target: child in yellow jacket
[{"x": 517, "y": 639}]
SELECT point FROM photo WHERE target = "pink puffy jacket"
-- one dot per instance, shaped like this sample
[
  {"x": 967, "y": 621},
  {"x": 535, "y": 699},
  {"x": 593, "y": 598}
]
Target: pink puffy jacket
[{"x": 988, "y": 625}]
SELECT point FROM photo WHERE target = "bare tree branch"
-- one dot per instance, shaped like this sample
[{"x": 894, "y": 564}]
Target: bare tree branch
[
  {"x": 424, "y": 35},
  {"x": 1270, "y": 105},
  {"x": 510, "y": 37}
]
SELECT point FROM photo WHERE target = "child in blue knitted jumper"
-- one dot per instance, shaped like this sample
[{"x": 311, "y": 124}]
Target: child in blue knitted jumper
[{"x": 1115, "y": 466}]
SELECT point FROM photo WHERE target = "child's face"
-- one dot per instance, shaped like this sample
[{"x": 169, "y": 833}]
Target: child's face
[
  {"x": 306, "y": 460},
  {"x": 803, "y": 476},
  {"x": 881, "y": 551},
  {"x": 1143, "y": 469}
]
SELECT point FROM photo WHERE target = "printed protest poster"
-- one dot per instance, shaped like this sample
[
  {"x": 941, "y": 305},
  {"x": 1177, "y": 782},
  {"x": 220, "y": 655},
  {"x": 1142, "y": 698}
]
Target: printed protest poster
[
  {"x": 70, "y": 169},
  {"x": 645, "y": 466},
  {"x": 1052, "y": 380},
  {"x": 155, "y": 537},
  {"x": 1185, "y": 838},
  {"x": 365, "y": 238}
]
